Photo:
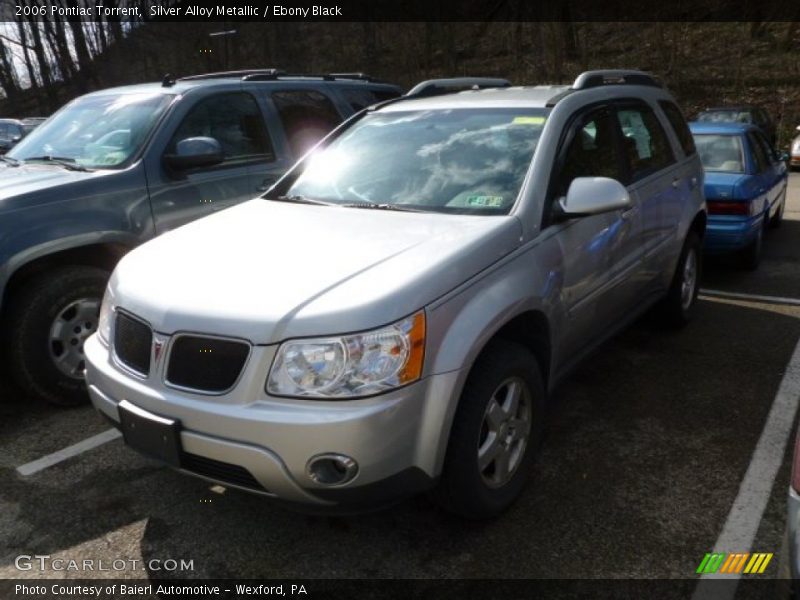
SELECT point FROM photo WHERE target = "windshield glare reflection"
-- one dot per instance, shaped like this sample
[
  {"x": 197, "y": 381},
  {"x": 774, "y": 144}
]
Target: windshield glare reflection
[{"x": 465, "y": 161}]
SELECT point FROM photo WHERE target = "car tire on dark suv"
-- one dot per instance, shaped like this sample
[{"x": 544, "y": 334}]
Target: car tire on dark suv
[{"x": 53, "y": 313}]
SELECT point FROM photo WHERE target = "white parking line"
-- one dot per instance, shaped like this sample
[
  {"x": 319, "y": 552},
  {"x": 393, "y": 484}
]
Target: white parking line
[
  {"x": 755, "y": 297},
  {"x": 61, "y": 455},
  {"x": 755, "y": 489}
]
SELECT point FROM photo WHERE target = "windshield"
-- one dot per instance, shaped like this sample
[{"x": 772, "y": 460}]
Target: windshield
[
  {"x": 95, "y": 131},
  {"x": 467, "y": 161},
  {"x": 725, "y": 116},
  {"x": 720, "y": 152}
]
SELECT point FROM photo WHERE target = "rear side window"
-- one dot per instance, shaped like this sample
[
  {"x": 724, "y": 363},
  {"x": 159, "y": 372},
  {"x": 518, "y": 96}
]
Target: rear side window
[
  {"x": 759, "y": 154},
  {"x": 765, "y": 146},
  {"x": 679, "y": 126},
  {"x": 646, "y": 148},
  {"x": 592, "y": 152},
  {"x": 361, "y": 98},
  {"x": 234, "y": 120},
  {"x": 307, "y": 116}
]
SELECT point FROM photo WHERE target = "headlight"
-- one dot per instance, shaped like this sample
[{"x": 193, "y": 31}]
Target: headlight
[
  {"x": 353, "y": 365},
  {"x": 104, "y": 320}
]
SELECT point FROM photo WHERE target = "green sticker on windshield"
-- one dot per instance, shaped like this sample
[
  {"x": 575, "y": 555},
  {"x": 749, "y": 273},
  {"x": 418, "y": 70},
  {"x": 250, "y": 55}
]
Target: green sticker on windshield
[
  {"x": 488, "y": 201},
  {"x": 528, "y": 121}
]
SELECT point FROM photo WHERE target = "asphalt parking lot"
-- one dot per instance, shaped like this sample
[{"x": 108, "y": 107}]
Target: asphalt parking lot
[{"x": 647, "y": 446}]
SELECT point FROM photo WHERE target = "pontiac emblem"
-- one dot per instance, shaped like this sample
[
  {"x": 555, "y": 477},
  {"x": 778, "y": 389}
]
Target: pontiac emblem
[{"x": 157, "y": 347}]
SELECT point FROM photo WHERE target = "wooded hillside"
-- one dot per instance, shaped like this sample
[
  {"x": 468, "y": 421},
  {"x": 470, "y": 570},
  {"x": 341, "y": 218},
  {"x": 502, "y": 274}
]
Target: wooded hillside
[{"x": 45, "y": 63}]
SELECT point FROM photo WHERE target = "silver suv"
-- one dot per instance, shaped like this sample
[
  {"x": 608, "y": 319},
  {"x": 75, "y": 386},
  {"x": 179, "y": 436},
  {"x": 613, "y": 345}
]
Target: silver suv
[{"x": 391, "y": 316}]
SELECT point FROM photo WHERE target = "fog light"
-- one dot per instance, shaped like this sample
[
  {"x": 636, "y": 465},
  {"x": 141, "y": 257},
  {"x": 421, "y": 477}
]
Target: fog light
[{"x": 332, "y": 469}]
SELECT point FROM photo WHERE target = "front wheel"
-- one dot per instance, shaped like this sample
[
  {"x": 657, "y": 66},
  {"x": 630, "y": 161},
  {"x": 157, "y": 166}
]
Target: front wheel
[
  {"x": 496, "y": 433},
  {"x": 47, "y": 323},
  {"x": 678, "y": 306}
]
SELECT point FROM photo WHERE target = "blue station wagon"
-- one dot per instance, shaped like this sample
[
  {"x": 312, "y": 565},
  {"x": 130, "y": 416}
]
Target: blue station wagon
[{"x": 745, "y": 188}]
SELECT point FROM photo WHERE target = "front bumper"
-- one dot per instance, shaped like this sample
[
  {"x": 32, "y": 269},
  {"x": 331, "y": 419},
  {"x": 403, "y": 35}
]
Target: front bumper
[
  {"x": 794, "y": 160},
  {"x": 398, "y": 439},
  {"x": 728, "y": 234}
]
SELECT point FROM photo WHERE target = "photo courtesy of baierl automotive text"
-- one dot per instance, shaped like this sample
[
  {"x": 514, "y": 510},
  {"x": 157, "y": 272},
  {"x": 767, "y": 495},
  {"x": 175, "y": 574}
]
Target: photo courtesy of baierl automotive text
[{"x": 397, "y": 300}]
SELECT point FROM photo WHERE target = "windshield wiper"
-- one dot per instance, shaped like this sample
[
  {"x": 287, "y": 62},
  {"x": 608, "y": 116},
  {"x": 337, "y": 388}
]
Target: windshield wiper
[
  {"x": 380, "y": 206},
  {"x": 301, "y": 200},
  {"x": 12, "y": 161},
  {"x": 67, "y": 163}
]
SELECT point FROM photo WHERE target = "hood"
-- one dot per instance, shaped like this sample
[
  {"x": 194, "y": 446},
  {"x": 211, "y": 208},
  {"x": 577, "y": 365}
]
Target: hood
[
  {"x": 267, "y": 271},
  {"x": 729, "y": 186},
  {"x": 18, "y": 182}
]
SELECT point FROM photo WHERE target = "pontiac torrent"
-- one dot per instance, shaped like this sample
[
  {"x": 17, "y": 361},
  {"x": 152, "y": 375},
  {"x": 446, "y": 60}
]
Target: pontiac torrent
[{"x": 390, "y": 317}]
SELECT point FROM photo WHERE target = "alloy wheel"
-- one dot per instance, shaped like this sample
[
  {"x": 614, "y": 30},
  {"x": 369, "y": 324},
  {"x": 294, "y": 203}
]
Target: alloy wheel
[
  {"x": 504, "y": 432},
  {"x": 689, "y": 280},
  {"x": 68, "y": 332}
]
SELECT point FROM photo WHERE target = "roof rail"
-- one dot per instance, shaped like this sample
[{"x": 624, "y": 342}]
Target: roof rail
[
  {"x": 436, "y": 87},
  {"x": 357, "y": 76},
  {"x": 232, "y": 74},
  {"x": 591, "y": 79},
  {"x": 321, "y": 76},
  {"x": 271, "y": 75}
]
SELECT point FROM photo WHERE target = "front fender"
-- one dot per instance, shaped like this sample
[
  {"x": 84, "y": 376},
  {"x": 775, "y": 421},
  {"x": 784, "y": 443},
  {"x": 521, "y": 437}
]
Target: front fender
[
  {"x": 101, "y": 208},
  {"x": 462, "y": 323},
  {"x": 42, "y": 248}
]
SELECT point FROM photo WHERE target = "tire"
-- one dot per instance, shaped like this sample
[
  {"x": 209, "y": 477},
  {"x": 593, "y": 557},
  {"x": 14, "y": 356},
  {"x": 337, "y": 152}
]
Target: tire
[
  {"x": 465, "y": 489},
  {"x": 62, "y": 304},
  {"x": 678, "y": 306},
  {"x": 777, "y": 220},
  {"x": 751, "y": 255}
]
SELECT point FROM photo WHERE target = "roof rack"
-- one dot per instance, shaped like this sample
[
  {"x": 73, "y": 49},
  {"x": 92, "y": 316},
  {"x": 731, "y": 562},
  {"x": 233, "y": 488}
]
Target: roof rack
[
  {"x": 321, "y": 76},
  {"x": 275, "y": 74},
  {"x": 357, "y": 76},
  {"x": 436, "y": 87},
  {"x": 591, "y": 79},
  {"x": 231, "y": 74}
]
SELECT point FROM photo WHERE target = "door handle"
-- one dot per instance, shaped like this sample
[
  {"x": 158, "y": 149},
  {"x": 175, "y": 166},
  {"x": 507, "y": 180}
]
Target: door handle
[
  {"x": 676, "y": 182},
  {"x": 266, "y": 184},
  {"x": 693, "y": 182}
]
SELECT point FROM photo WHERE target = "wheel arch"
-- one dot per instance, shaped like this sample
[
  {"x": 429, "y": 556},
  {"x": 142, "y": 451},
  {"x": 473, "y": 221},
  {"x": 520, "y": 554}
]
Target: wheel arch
[
  {"x": 530, "y": 328},
  {"x": 89, "y": 252}
]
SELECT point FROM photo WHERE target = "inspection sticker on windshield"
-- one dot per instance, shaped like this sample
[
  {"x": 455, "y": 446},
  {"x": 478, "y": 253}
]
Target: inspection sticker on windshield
[
  {"x": 490, "y": 201},
  {"x": 528, "y": 121}
]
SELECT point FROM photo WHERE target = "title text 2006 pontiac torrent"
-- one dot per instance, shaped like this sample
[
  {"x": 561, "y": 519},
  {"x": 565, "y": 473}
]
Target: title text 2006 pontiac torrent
[{"x": 390, "y": 317}]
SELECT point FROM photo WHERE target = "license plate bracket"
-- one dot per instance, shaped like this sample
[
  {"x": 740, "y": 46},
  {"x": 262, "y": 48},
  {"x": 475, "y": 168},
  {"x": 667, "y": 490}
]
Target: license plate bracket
[{"x": 150, "y": 434}]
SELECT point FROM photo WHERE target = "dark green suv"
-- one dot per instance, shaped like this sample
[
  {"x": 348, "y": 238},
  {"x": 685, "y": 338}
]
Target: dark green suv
[{"x": 117, "y": 167}]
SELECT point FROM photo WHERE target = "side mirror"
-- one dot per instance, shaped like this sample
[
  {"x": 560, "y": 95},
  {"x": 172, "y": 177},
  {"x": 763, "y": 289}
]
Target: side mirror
[
  {"x": 594, "y": 195},
  {"x": 16, "y": 138},
  {"x": 194, "y": 153}
]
